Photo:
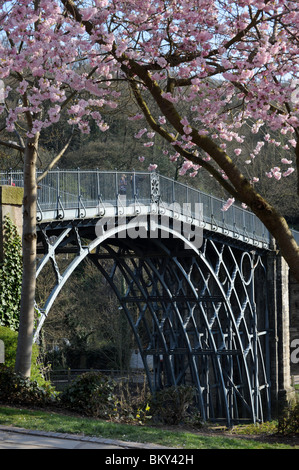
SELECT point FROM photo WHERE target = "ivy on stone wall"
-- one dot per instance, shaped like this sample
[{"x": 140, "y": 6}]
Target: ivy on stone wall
[{"x": 10, "y": 276}]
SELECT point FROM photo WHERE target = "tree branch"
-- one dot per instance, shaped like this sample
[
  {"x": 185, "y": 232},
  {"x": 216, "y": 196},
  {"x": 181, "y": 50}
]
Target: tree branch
[
  {"x": 12, "y": 145},
  {"x": 55, "y": 160},
  {"x": 184, "y": 153}
]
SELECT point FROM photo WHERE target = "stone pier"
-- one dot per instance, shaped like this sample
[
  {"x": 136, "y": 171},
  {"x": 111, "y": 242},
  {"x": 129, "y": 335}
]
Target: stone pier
[
  {"x": 282, "y": 391},
  {"x": 294, "y": 325},
  {"x": 11, "y": 199}
]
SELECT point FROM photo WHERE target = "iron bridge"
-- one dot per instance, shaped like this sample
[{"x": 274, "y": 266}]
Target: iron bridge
[{"x": 194, "y": 286}]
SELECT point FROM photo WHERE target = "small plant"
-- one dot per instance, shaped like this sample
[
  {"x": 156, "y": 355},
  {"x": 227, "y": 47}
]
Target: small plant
[
  {"x": 132, "y": 405},
  {"x": 288, "y": 423},
  {"x": 16, "y": 389},
  {"x": 171, "y": 405},
  {"x": 143, "y": 414},
  {"x": 92, "y": 394}
]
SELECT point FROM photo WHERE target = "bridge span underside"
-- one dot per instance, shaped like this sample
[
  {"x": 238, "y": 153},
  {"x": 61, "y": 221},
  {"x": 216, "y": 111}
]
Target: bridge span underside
[{"x": 200, "y": 314}]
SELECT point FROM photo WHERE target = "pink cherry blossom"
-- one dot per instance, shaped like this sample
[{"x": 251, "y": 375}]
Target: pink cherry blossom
[
  {"x": 88, "y": 13},
  {"x": 150, "y": 135},
  {"x": 152, "y": 167},
  {"x": 288, "y": 172},
  {"x": 168, "y": 96},
  {"x": 136, "y": 117},
  {"x": 228, "y": 204},
  {"x": 140, "y": 133}
]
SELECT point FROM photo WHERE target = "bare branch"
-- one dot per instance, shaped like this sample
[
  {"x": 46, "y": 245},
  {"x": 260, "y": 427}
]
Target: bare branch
[
  {"x": 12, "y": 145},
  {"x": 55, "y": 160}
]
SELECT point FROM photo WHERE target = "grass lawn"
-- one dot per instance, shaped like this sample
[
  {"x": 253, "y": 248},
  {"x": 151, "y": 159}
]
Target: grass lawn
[{"x": 207, "y": 437}]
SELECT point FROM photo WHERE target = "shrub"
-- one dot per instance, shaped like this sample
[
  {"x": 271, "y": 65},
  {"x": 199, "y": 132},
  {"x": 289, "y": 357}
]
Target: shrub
[
  {"x": 10, "y": 339},
  {"x": 17, "y": 390},
  {"x": 288, "y": 423},
  {"x": 172, "y": 404},
  {"x": 91, "y": 394}
]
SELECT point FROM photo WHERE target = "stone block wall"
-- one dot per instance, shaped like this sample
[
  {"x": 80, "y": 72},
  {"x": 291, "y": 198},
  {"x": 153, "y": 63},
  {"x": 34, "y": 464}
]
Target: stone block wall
[
  {"x": 294, "y": 325},
  {"x": 11, "y": 199}
]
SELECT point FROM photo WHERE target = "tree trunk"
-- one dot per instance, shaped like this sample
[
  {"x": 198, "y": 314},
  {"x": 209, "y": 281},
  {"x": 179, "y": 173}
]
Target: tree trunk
[{"x": 25, "y": 336}]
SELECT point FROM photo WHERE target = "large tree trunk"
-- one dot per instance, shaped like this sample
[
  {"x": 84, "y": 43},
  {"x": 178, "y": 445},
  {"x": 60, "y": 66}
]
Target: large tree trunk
[{"x": 25, "y": 337}]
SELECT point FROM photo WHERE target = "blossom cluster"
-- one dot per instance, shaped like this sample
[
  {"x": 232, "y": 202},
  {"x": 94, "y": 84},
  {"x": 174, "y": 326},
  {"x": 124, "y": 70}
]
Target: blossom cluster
[{"x": 233, "y": 64}]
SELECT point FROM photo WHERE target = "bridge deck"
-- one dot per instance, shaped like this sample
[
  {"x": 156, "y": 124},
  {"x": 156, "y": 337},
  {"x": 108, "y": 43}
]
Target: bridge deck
[{"x": 87, "y": 194}]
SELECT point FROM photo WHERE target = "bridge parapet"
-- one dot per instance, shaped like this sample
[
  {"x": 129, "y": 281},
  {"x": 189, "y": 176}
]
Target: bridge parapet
[{"x": 79, "y": 194}]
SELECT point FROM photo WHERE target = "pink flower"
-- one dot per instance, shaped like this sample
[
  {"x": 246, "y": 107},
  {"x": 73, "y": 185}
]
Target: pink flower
[
  {"x": 22, "y": 87},
  {"x": 84, "y": 127},
  {"x": 187, "y": 130},
  {"x": 103, "y": 126},
  {"x": 148, "y": 144},
  {"x": 287, "y": 162},
  {"x": 150, "y": 135},
  {"x": 162, "y": 62},
  {"x": 152, "y": 167},
  {"x": 54, "y": 113},
  {"x": 87, "y": 13},
  {"x": 141, "y": 159},
  {"x": 162, "y": 120},
  {"x": 288, "y": 172},
  {"x": 276, "y": 173},
  {"x": 136, "y": 117},
  {"x": 293, "y": 142},
  {"x": 228, "y": 203},
  {"x": 185, "y": 121},
  {"x": 168, "y": 96},
  {"x": 140, "y": 133},
  {"x": 237, "y": 151}
]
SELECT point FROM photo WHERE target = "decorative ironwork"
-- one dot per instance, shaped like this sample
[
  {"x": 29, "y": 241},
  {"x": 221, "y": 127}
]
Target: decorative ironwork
[{"x": 155, "y": 188}]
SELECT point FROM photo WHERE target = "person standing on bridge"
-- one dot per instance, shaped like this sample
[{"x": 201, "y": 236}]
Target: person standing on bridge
[{"x": 122, "y": 185}]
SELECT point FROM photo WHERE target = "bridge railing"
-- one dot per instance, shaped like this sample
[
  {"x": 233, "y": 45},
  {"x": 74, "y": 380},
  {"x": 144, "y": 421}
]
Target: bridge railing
[
  {"x": 236, "y": 219},
  {"x": 82, "y": 189}
]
